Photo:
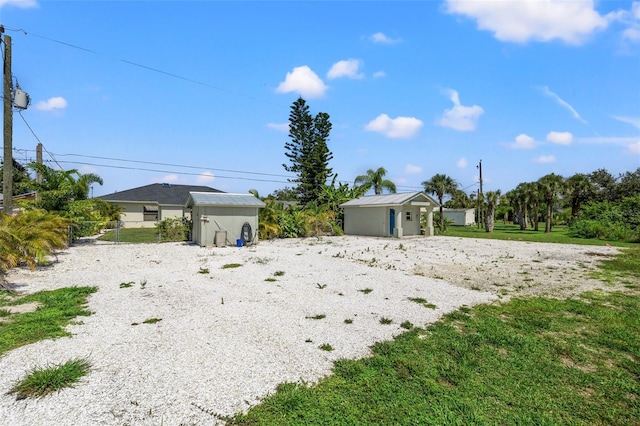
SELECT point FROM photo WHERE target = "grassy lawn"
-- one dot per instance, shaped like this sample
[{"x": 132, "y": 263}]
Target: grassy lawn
[
  {"x": 133, "y": 235},
  {"x": 526, "y": 361},
  {"x": 57, "y": 309},
  {"x": 559, "y": 234}
]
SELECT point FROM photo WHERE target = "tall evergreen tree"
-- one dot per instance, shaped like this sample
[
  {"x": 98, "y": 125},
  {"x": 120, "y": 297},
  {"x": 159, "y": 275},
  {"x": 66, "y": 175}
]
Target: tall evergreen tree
[{"x": 307, "y": 151}]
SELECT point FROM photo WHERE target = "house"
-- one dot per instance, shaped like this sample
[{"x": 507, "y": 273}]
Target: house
[
  {"x": 460, "y": 217},
  {"x": 222, "y": 218},
  {"x": 144, "y": 206},
  {"x": 28, "y": 196},
  {"x": 395, "y": 215}
]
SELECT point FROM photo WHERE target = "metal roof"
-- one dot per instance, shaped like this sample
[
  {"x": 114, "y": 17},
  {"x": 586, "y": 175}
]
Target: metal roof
[
  {"x": 223, "y": 199},
  {"x": 388, "y": 200}
]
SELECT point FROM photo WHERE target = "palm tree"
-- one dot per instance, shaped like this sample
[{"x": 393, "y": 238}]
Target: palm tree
[
  {"x": 492, "y": 198},
  {"x": 579, "y": 189},
  {"x": 550, "y": 187},
  {"x": 29, "y": 237},
  {"x": 440, "y": 185},
  {"x": 375, "y": 179},
  {"x": 58, "y": 187}
]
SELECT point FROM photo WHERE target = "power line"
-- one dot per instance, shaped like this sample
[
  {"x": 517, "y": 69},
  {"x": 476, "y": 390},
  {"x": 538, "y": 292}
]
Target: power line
[{"x": 149, "y": 68}]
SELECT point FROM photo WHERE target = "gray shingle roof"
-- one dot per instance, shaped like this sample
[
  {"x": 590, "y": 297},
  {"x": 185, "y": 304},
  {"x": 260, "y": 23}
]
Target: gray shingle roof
[
  {"x": 223, "y": 199},
  {"x": 388, "y": 200},
  {"x": 163, "y": 194}
]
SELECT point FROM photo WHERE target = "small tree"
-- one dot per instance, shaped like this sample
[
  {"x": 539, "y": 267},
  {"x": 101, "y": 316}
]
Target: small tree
[{"x": 551, "y": 186}]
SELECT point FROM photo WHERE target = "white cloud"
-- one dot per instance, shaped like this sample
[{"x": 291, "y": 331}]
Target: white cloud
[
  {"x": 545, "y": 159},
  {"x": 410, "y": 169},
  {"x": 280, "y": 127},
  {"x": 347, "y": 68},
  {"x": 460, "y": 117},
  {"x": 462, "y": 163},
  {"x": 560, "y": 138},
  {"x": 379, "y": 74},
  {"x": 57, "y": 102},
  {"x": 23, "y": 4},
  {"x": 303, "y": 81},
  {"x": 634, "y": 121},
  {"x": 632, "y": 19},
  {"x": 523, "y": 142},
  {"x": 85, "y": 170},
  {"x": 634, "y": 148},
  {"x": 563, "y": 103},
  {"x": 172, "y": 178},
  {"x": 380, "y": 38},
  {"x": 205, "y": 177},
  {"x": 395, "y": 128},
  {"x": 521, "y": 21}
]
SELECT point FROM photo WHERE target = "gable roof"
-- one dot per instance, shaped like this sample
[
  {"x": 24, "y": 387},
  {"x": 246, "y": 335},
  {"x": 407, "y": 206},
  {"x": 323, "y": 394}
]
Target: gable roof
[
  {"x": 389, "y": 200},
  {"x": 223, "y": 200},
  {"x": 161, "y": 193}
]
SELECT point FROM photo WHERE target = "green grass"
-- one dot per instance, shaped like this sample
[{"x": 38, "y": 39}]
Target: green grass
[
  {"x": 423, "y": 302},
  {"x": 326, "y": 347},
  {"x": 40, "y": 382},
  {"x": 317, "y": 317},
  {"x": 528, "y": 361},
  {"x": 366, "y": 290},
  {"x": 231, "y": 265},
  {"x": 623, "y": 267},
  {"x": 58, "y": 308},
  {"x": 559, "y": 234},
  {"x": 133, "y": 235},
  {"x": 151, "y": 320}
]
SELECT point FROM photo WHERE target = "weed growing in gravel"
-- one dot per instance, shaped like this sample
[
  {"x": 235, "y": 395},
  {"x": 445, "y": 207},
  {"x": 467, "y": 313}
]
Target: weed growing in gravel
[
  {"x": 406, "y": 325},
  {"x": 143, "y": 283},
  {"x": 317, "y": 317},
  {"x": 203, "y": 270},
  {"x": 231, "y": 265},
  {"x": 4, "y": 313},
  {"x": 422, "y": 302},
  {"x": 366, "y": 290},
  {"x": 270, "y": 279},
  {"x": 278, "y": 273},
  {"x": 127, "y": 285},
  {"x": 43, "y": 381},
  {"x": 326, "y": 347},
  {"x": 348, "y": 321},
  {"x": 308, "y": 341},
  {"x": 321, "y": 286},
  {"x": 385, "y": 320},
  {"x": 152, "y": 320}
]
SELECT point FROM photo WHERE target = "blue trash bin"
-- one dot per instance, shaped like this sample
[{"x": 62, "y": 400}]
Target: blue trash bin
[{"x": 239, "y": 242}]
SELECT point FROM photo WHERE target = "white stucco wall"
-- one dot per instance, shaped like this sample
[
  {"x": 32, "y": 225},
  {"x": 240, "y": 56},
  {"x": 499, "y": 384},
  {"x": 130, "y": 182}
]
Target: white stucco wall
[{"x": 374, "y": 221}]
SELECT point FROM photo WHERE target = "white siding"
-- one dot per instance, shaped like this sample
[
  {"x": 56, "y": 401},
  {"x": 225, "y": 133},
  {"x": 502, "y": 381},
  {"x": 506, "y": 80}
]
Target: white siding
[{"x": 373, "y": 221}]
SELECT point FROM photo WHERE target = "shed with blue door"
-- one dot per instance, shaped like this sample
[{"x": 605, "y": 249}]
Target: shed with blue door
[
  {"x": 389, "y": 215},
  {"x": 224, "y": 219}
]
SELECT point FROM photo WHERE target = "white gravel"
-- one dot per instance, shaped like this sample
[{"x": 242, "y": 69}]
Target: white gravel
[{"x": 228, "y": 337}]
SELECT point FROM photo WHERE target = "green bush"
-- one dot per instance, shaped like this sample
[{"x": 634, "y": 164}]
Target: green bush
[
  {"x": 605, "y": 220},
  {"x": 174, "y": 229}
]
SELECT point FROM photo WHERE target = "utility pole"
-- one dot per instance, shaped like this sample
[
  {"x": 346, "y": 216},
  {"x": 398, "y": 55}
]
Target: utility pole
[
  {"x": 481, "y": 195},
  {"x": 38, "y": 174},
  {"x": 7, "y": 176}
]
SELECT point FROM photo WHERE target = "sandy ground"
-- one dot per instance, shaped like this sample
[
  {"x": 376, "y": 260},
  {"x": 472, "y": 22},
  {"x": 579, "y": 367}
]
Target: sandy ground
[{"x": 228, "y": 336}]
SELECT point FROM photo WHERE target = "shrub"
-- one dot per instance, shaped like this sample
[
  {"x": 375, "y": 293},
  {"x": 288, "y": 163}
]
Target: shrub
[{"x": 174, "y": 229}]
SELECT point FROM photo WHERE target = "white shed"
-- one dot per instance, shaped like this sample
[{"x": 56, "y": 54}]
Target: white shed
[
  {"x": 221, "y": 218},
  {"x": 395, "y": 215},
  {"x": 460, "y": 217}
]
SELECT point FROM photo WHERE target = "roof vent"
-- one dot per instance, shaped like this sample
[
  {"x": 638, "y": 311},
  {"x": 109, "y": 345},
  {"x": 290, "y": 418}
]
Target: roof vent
[{"x": 166, "y": 185}]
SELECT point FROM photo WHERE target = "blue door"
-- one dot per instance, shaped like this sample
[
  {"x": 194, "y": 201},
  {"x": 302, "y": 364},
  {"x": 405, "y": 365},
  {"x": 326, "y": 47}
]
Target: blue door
[{"x": 392, "y": 221}]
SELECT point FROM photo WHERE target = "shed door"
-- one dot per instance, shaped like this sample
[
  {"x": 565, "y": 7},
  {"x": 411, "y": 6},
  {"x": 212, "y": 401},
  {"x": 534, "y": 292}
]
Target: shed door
[{"x": 392, "y": 221}]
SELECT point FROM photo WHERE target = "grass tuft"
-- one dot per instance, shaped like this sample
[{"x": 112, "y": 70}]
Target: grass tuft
[
  {"x": 40, "y": 382},
  {"x": 366, "y": 290},
  {"x": 317, "y": 317},
  {"x": 231, "y": 265},
  {"x": 151, "y": 320},
  {"x": 326, "y": 347},
  {"x": 385, "y": 320},
  {"x": 423, "y": 302}
]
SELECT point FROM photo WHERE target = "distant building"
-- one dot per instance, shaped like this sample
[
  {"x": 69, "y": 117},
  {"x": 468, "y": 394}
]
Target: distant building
[
  {"x": 460, "y": 217},
  {"x": 144, "y": 206}
]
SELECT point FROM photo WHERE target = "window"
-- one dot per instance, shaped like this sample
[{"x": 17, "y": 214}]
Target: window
[
  {"x": 150, "y": 213},
  {"x": 408, "y": 216}
]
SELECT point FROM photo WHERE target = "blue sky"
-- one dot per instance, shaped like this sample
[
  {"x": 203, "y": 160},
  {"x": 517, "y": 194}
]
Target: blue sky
[{"x": 199, "y": 92}]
